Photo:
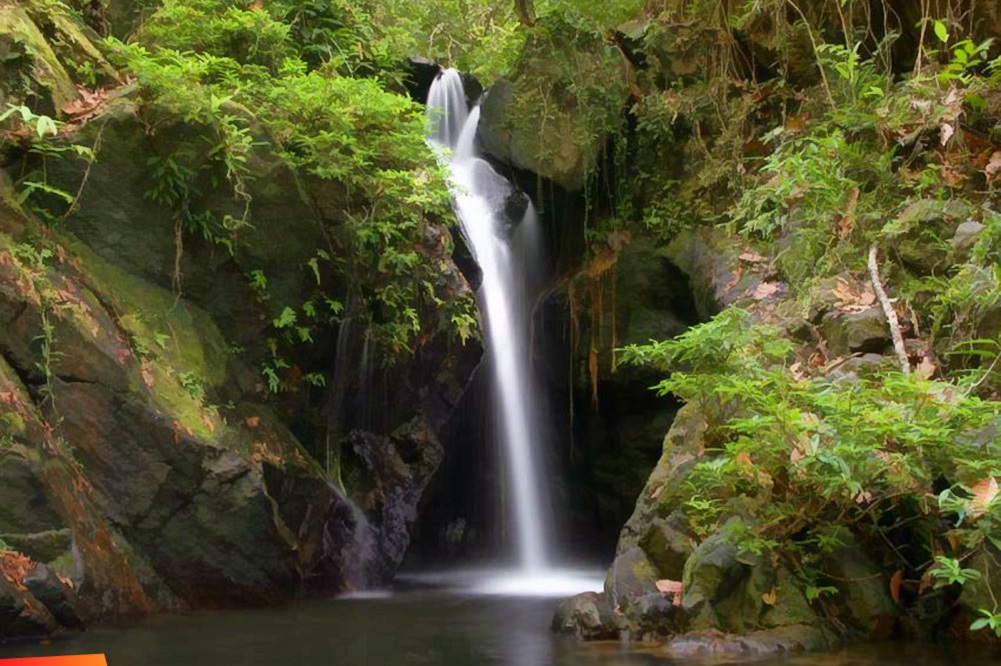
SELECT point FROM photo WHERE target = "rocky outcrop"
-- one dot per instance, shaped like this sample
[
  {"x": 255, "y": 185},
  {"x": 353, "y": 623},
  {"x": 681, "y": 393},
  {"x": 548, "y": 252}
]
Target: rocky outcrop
[
  {"x": 143, "y": 464},
  {"x": 554, "y": 113},
  {"x": 37, "y": 38},
  {"x": 699, "y": 594}
]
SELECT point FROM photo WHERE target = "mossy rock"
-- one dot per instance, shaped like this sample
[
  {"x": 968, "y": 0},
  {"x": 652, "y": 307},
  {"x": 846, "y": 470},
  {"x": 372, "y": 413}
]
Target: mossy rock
[
  {"x": 710, "y": 259},
  {"x": 920, "y": 233},
  {"x": 46, "y": 546},
  {"x": 56, "y": 64},
  {"x": 20, "y": 34},
  {"x": 850, "y": 332},
  {"x": 118, "y": 221},
  {"x": 982, "y": 593},
  {"x": 555, "y": 112}
]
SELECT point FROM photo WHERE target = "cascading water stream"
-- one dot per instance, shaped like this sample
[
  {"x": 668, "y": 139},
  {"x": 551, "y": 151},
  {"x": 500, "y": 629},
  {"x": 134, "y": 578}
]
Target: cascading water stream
[
  {"x": 480, "y": 195},
  {"x": 509, "y": 257}
]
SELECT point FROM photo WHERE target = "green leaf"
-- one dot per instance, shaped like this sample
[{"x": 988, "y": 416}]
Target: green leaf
[
  {"x": 941, "y": 31},
  {"x": 286, "y": 319},
  {"x": 982, "y": 623}
]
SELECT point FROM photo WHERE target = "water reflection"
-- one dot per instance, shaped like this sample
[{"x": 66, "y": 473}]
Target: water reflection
[{"x": 410, "y": 628}]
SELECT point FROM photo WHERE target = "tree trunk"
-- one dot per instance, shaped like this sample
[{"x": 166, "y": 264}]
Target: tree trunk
[{"x": 525, "y": 9}]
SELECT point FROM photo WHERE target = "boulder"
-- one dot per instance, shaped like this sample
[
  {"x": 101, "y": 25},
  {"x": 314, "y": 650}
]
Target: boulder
[
  {"x": 37, "y": 38},
  {"x": 556, "y": 110},
  {"x": 711, "y": 262},
  {"x": 587, "y": 616},
  {"x": 850, "y": 332},
  {"x": 921, "y": 231},
  {"x": 399, "y": 468}
]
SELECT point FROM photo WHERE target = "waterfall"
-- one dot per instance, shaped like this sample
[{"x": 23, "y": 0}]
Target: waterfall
[{"x": 505, "y": 256}]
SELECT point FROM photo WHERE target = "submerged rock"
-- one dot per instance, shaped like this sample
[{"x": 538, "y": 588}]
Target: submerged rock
[{"x": 783, "y": 640}]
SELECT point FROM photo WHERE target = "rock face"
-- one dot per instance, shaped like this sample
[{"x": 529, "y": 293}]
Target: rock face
[
  {"x": 142, "y": 465},
  {"x": 554, "y": 113},
  {"x": 700, "y": 595}
]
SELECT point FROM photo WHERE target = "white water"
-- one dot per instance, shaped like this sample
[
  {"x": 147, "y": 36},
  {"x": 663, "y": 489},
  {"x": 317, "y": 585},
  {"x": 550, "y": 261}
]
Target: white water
[{"x": 480, "y": 195}]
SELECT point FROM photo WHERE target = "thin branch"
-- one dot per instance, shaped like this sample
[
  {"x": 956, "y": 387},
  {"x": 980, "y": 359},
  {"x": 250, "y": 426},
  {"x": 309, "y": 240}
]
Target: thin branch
[
  {"x": 973, "y": 387},
  {"x": 891, "y": 315},
  {"x": 816, "y": 53},
  {"x": 86, "y": 174}
]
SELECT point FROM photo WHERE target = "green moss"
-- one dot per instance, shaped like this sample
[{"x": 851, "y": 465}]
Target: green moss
[
  {"x": 172, "y": 338},
  {"x": 162, "y": 327},
  {"x": 16, "y": 25},
  {"x": 564, "y": 99}
]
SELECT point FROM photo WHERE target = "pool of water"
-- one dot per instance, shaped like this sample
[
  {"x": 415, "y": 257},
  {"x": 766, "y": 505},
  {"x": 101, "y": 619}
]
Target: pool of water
[{"x": 415, "y": 626}]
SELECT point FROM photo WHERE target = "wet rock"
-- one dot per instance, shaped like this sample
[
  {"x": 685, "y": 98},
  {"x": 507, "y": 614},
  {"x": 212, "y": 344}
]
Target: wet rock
[
  {"x": 421, "y": 73},
  {"x": 21, "y": 616},
  {"x": 711, "y": 262},
  {"x": 865, "y": 605},
  {"x": 667, "y": 546},
  {"x": 25, "y": 30},
  {"x": 45, "y": 546},
  {"x": 630, "y": 576},
  {"x": 788, "y": 639},
  {"x": 587, "y": 616},
  {"x": 982, "y": 593},
  {"x": 57, "y": 596},
  {"x": 398, "y": 469}
]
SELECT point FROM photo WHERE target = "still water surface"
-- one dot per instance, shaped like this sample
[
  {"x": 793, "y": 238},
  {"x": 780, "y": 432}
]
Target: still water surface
[{"x": 415, "y": 627}]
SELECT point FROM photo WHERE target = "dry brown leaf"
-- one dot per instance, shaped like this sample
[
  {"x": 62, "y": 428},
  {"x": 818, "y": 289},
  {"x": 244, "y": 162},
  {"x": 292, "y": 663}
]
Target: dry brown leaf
[
  {"x": 147, "y": 375},
  {"x": 738, "y": 275},
  {"x": 618, "y": 239},
  {"x": 952, "y": 177},
  {"x": 253, "y": 421},
  {"x": 744, "y": 458},
  {"x": 946, "y": 130},
  {"x": 770, "y": 597},
  {"x": 15, "y": 566},
  {"x": 925, "y": 584},
  {"x": 925, "y": 369},
  {"x": 672, "y": 587},
  {"x": 984, "y": 493},
  {"x": 764, "y": 290},
  {"x": 994, "y": 164},
  {"x": 751, "y": 257},
  {"x": 207, "y": 421},
  {"x": 796, "y": 123},
  {"x": 843, "y": 292},
  {"x": 895, "y": 581},
  {"x": 853, "y": 297}
]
